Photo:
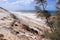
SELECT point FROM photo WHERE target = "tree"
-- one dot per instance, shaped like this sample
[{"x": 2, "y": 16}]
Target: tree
[
  {"x": 55, "y": 35},
  {"x": 45, "y": 12},
  {"x": 47, "y": 15},
  {"x": 42, "y": 3},
  {"x": 58, "y": 8},
  {"x": 37, "y": 9}
]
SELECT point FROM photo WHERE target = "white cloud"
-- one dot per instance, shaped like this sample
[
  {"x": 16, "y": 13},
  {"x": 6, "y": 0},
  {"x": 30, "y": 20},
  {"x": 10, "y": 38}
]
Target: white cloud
[
  {"x": 3, "y": 1},
  {"x": 23, "y": 2},
  {"x": 15, "y": 4}
]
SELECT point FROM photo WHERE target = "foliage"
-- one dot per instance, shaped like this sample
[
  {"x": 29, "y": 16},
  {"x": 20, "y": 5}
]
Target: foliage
[
  {"x": 46, "y": 13},
  {"x": 40, "y": 3},
  {"x": 37, "y": 9},
  {"x": 58, "y": 8},
  {"x": 55, "y": 35}
]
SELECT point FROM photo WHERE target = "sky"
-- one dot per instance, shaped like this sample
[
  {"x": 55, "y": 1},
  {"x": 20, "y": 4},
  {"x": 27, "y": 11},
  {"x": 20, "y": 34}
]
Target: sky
[{"x": 24, "y": 4}]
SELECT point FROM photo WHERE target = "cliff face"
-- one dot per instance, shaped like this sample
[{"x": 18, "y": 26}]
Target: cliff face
[{"x": 11, "y": 28}]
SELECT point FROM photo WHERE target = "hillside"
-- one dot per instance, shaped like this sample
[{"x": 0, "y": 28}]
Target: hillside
[{"x": 15, "y": 27}]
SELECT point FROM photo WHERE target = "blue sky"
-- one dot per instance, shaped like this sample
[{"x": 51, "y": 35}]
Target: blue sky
[{"x": 24, "y": 4}]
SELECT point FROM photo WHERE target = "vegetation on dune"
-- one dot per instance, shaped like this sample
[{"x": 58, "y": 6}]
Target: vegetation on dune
[
  {"x": 55, "y": 35},
  {"x": 42, "y": 9},
  {"x": 52, "y": 21},
  {"x": 55, "y": 26}
]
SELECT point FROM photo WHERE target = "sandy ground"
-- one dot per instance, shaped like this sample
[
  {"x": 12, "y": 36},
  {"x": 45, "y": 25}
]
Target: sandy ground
[
  {"x": 12, "y": 29},
  {"x": 32, "y": 20}
]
